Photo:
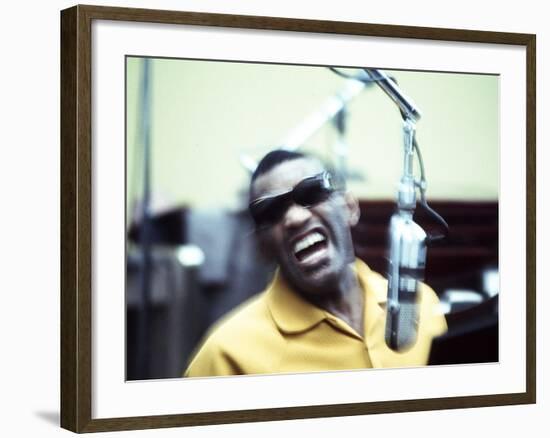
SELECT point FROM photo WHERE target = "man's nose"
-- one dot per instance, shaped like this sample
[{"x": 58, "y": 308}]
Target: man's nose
[{"x": 296, "y": 215}]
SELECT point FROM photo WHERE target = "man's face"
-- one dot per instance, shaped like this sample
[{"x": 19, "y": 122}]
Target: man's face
[{"x": 312, "y": 245}]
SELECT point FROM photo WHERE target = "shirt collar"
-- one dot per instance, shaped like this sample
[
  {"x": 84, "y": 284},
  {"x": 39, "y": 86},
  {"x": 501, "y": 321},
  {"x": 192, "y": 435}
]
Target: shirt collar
[
  {"x": 294, "y": 314},
  {"x": 376, "y": 291},
  {"x": 289, "y": 310}
]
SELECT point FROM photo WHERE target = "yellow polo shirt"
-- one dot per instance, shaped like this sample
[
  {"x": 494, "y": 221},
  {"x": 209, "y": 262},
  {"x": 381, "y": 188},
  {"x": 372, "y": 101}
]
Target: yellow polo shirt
[{"x": 277, "y": 331}]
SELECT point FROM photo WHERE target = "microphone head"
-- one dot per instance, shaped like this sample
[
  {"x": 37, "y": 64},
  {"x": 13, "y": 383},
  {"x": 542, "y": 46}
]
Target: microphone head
[
  {"x": 402, "y": 326},
  {"x": 405, "y": 272}
]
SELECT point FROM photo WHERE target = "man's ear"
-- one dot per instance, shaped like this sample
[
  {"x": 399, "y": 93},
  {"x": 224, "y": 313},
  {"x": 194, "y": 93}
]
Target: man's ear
[{"x": 353, "y": 209}]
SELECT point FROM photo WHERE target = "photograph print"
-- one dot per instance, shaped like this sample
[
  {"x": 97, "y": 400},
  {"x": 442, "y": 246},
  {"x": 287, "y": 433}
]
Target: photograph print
[{"x": 308, "y": 218}]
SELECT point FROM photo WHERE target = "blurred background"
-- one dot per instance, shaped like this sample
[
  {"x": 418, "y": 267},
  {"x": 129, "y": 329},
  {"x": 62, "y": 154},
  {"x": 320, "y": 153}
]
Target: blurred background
[{"x": 195, "y": 130}]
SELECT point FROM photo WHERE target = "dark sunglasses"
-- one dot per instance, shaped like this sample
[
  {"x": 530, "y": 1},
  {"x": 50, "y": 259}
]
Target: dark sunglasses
[{"x": 309, "y": 192}]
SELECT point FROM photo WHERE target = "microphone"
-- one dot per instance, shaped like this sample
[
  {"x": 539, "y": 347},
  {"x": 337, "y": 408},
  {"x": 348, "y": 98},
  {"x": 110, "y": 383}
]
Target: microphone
[
  {"x": 406, "y": 269},
  {"x": 407, "y": 259},
  {"x": 408, "y": 241}
]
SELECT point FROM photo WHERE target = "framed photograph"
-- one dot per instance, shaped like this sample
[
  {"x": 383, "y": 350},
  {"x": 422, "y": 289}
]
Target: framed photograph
[{"x": 325, "y": 218}]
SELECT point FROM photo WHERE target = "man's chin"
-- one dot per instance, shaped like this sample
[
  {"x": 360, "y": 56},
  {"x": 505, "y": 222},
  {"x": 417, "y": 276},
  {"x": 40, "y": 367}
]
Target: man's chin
[{"x": 316, "y": 280}]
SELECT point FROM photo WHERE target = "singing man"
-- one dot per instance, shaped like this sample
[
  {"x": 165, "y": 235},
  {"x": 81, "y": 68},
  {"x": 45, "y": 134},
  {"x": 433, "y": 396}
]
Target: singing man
[{"x": 324, "y": 309}]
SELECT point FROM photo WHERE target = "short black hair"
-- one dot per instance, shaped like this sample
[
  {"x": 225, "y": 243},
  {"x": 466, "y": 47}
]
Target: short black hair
[{"x": 272, "y": 159}]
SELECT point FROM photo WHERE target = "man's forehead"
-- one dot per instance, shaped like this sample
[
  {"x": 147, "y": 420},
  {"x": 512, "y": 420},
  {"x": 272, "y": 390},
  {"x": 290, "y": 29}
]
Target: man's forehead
[{"x": 284, "y": 176}]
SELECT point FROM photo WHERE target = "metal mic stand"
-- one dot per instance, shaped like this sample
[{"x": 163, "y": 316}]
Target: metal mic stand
[
  {"x": 328, "y": 110},
  {"x": 143, "y": 327},
  {"x": 408, "y": 241},
  {"x": 407, "y": 255}
]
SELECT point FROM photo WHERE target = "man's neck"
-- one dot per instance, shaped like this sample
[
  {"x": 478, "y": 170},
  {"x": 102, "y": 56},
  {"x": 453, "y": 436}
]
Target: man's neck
[{"x": 347, "y": 301}]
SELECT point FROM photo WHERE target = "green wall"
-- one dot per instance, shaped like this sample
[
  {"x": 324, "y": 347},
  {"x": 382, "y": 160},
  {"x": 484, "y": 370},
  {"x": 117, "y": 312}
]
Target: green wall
[{"x": 205, "y": 114}]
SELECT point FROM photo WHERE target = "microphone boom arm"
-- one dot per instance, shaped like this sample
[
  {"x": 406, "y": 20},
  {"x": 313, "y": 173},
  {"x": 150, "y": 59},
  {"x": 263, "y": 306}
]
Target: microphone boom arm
[{"x": 408, "y": 108}]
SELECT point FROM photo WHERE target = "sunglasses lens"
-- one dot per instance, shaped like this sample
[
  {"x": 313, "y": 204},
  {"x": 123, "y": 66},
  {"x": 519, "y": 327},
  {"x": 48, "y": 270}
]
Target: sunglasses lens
[
  {"x": 311, "y": 191},
  {"x": 270, "y": 210}
]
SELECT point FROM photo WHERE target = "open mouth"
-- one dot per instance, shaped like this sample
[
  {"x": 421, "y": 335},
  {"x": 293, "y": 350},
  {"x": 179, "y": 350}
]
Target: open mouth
[{"x": 310, "y": 247}]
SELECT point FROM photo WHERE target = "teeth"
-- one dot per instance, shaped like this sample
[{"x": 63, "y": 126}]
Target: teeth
[{"x": 307, "y": 241}]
